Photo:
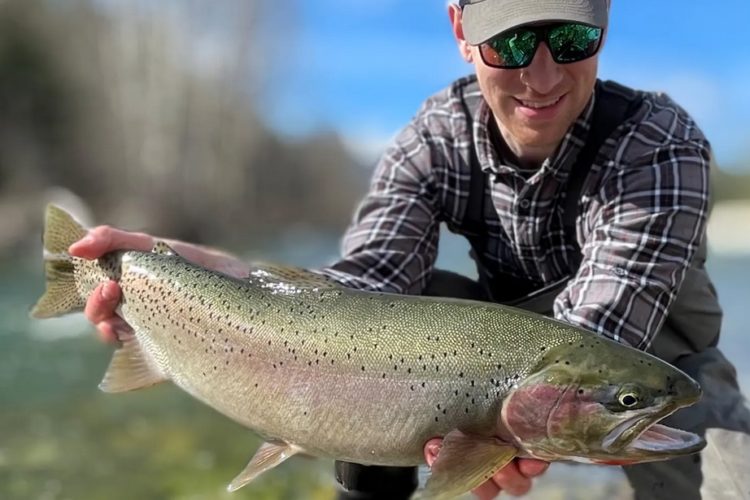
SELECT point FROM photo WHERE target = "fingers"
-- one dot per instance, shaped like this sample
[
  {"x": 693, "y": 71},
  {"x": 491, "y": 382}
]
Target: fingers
[
  {"x": 514, "y": 478},
  {"x": 103, "y": 239},
  {"x": 510, "y": 480},
  {"x": 431, "y": 450},
  {"x": 114, "y": 329},
  {"x": 486, "y": 491},
  {"x": 530, "y": 467},
  {"x": 100, "y": 310},
  {"x": 102, "y": 302}
]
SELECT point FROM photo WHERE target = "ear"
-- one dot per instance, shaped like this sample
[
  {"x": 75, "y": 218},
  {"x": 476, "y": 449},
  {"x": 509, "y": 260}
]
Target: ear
[{"x": 454, "y": 14}]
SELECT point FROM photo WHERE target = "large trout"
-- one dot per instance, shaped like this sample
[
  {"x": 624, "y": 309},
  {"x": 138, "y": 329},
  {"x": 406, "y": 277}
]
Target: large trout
[{"x": 368, "y": 377}]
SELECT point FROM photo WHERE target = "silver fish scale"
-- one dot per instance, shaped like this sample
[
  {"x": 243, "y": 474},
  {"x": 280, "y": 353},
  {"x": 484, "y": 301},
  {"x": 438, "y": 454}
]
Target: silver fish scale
[{"x": 338, "y": 372}]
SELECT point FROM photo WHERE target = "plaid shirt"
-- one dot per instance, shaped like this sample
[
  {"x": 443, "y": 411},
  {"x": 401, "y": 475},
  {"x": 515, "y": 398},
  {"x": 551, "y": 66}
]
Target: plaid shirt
[{"x": 641, "y": 216}]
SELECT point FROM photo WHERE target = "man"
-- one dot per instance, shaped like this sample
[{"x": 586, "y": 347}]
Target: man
[{"x": 580, "y": 199}]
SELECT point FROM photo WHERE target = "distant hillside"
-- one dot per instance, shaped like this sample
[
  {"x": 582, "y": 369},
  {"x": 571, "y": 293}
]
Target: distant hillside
[{"x": 730, "y": 186}]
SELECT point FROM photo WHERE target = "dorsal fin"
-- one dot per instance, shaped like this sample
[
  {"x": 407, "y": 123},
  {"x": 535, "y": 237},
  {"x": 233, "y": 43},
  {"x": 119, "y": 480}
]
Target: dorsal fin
[
  {"x": 162, "y": 248},
  {"x": 289, "y": 278}
]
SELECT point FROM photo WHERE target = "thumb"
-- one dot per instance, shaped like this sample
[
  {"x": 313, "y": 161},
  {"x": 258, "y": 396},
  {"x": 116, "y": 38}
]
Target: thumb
[{"x": 431, "y": 450}]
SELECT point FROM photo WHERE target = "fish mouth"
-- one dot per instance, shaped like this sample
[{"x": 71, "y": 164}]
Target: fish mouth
[
  {"x": 642, "y": 436},
  {"x": 659, "y": 439}
]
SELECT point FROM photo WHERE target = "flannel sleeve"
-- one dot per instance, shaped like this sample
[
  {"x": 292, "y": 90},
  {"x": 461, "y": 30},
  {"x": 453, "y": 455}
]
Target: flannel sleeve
[
  {"x": 651, "y": 217},
  {"x": 391, "y": 245}
]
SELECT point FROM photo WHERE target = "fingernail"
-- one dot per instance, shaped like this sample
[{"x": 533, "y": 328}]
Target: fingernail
[
  {"x": 86, "y": 240},
  {"x": 108, "y": 291}
]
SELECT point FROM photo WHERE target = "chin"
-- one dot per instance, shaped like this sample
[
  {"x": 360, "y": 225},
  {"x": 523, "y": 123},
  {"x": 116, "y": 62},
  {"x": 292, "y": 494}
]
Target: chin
[{"x": 533, "y": 139}]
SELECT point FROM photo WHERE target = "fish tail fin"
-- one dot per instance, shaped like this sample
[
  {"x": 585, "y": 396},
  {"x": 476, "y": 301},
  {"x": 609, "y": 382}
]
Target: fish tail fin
[{"x": 61, "y": 295}]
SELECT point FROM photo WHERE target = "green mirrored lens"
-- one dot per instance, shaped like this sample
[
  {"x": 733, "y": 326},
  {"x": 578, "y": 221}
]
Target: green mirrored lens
[
  {"x": 515, "y": 48},
  {"x": 573, "y": 42}
]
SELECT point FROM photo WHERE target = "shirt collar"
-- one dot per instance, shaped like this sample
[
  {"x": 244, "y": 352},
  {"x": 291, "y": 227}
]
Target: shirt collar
[{"x": 558, "y": 165}]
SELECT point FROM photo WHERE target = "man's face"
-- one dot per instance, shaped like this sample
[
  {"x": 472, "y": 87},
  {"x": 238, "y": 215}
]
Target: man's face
[{"x": 536, "y": 105}]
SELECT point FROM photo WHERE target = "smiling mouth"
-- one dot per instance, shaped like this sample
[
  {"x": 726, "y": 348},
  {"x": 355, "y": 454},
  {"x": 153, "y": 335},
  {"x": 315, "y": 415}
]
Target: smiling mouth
[{"x": 540, "y": 104}]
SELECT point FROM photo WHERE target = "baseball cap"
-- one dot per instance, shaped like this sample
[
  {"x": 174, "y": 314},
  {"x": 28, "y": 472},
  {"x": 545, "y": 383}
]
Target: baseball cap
[{"x": 483, "y": 19}]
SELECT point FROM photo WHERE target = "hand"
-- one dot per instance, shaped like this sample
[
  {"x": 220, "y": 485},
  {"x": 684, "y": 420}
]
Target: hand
[
  {"x": 514, "y": 479},
  {"x": 101, "y": 305}
]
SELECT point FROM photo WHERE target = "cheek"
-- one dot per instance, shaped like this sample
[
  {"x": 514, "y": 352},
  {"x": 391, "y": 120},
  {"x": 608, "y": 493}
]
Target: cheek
[
  {"x": 582, "y": 76},
  {"x": 498, "y": 88},
  {"x": 545, "y": 411},
  {"x": 573, "y": 416},
  {"x": 496, "y": 83},
  {"x": 526, "y": 412}
]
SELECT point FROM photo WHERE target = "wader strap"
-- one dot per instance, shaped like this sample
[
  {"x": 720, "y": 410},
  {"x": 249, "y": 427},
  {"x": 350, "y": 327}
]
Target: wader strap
[
  {"x": 474, "y": 219},
  {"x": 614, "y": 104}
]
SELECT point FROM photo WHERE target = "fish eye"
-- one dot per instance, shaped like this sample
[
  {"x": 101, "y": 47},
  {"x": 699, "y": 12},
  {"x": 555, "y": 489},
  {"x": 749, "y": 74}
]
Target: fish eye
[{"x": 628, "y": 399}]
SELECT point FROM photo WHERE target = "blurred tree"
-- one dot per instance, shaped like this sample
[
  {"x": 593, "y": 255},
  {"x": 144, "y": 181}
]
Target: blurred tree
[{"x": 147, "y": 110}]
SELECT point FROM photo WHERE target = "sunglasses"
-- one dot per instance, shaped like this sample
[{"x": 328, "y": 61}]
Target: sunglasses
[{"x": 567, "y": 42}]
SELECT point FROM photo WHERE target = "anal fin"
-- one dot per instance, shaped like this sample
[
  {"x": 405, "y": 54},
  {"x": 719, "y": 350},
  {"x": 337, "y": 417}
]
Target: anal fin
[
  {"x": 268, "y": 456},
  {"x": 463, "y": 463},
  {"x": 130, "y": 369}
]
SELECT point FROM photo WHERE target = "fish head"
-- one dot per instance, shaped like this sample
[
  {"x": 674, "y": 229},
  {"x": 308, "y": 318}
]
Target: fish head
[{"x": 597, "y": 401}]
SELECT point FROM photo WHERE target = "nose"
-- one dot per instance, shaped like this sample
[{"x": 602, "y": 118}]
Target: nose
[{"x": 543, "y": 74}]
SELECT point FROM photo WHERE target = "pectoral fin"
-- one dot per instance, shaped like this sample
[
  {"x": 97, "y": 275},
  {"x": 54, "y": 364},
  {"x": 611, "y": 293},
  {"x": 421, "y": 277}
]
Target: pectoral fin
[
  {"x": 464, "y": 462},
  {"x": 130, "y": 369},
  {"x": 268, "y": 456}
]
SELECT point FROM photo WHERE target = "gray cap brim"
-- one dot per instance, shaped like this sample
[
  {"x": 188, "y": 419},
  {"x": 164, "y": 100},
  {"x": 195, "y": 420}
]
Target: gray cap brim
[{"x": 484, "y": 19}]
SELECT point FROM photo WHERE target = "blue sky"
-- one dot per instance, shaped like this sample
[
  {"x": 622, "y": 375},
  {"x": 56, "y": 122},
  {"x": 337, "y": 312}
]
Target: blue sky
[{"x": 365, "y": 66}]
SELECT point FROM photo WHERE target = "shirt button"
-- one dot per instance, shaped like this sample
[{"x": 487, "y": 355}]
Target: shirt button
[
  {"x": 619, "y": 271},
  {"x": 525, "y": 204}
]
